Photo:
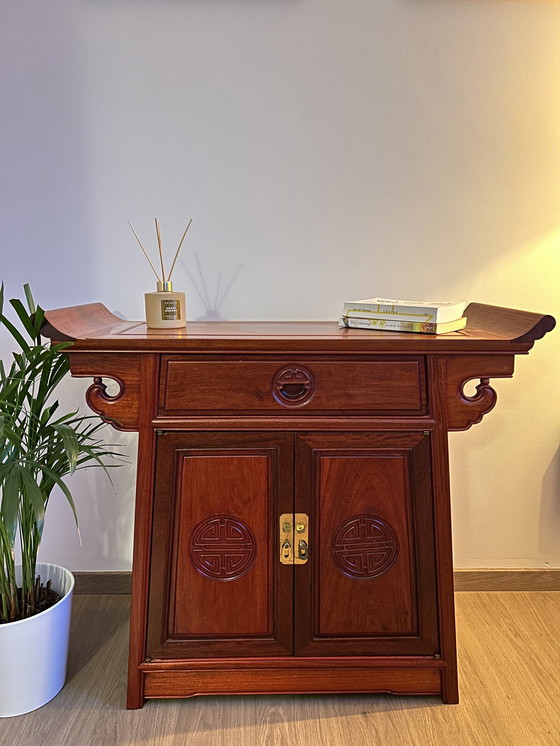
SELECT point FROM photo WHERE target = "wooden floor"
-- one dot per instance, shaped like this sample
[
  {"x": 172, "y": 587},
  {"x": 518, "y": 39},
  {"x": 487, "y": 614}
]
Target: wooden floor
[{"x": 509, "y": 658}]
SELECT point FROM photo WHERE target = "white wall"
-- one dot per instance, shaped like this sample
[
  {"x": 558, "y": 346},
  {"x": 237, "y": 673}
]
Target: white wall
[{"x": 325, "y": 150}]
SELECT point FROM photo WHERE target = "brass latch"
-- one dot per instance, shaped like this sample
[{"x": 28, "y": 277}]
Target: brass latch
[
  {"x": 294, "y": 537},
  {"x": 286, "y": 539}
]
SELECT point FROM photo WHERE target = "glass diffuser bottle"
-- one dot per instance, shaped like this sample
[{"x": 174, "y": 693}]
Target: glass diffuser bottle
[{"x": 165, "y": 308}]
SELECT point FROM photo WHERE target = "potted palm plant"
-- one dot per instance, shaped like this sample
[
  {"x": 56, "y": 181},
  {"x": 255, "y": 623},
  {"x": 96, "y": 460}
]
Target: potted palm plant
[{"x": 39, "y": 448}]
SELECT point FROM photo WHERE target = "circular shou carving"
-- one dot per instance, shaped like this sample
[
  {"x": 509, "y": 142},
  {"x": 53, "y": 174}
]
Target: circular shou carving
[
  {"x": 222, "y": 548},
  {"x": 365, "y": 547},
  {"x": 293, "y": 386}
]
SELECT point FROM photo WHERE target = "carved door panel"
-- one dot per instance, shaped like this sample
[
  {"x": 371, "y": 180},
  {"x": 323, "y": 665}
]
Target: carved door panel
[
  {"x": 371, "y": 565},
  {"x": 216, "y": 587}
]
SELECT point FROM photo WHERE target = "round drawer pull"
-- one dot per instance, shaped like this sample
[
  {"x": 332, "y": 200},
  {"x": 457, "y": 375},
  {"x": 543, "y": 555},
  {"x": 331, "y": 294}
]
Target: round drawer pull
[{"x": 293, "y": 386}]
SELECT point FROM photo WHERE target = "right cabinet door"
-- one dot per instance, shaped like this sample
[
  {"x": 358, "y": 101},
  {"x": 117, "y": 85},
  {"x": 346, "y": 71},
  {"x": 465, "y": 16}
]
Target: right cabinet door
[{"x": 369, "y": 587}]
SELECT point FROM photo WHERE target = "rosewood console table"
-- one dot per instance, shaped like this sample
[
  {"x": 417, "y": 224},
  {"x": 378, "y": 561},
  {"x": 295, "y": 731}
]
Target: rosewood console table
[{"x": 292, "y": 525}]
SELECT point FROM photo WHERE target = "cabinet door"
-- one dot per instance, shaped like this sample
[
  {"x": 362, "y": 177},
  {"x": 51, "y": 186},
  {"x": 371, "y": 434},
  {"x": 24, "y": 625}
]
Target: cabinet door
[
  {"x": 371, "y": 565},
  {"x": 216, "y": 585}
]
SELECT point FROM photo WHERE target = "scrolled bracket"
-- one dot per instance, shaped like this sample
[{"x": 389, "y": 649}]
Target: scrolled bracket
[
  {"x": 121, "y": 409},
  {"x": 463, "y": 410},
  {"x": 482, "y": 402},
  {"x": 100, "y": 389},
  {"x": 100, "y": 401}
]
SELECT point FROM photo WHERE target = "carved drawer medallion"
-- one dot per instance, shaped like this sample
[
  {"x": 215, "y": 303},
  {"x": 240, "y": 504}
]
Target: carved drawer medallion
[
  {"x": 293, "y": 386},
  {"x": 364, "y": 547}
]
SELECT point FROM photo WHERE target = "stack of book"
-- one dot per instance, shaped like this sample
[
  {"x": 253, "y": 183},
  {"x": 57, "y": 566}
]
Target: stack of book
[{"x": 404, "y": 316}]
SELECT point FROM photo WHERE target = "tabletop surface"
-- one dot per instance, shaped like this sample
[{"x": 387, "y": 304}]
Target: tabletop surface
[{"x": 93, "y": 327}]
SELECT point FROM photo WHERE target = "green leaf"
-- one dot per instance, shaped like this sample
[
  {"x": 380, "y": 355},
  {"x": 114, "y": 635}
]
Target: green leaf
[
  {"x": 10, "y": 502},
  {"x": 29, "y": 298},
  {"x": 14, "y": 331},
  {"x": 23, "y": 316},
  {"x": 70, "y": 441},
  {"x": 38, "y": 321},
  {"x": 48, "y": 413},
  {"x": 36, "y": 498},
  {"x": 57, "y": 480}
]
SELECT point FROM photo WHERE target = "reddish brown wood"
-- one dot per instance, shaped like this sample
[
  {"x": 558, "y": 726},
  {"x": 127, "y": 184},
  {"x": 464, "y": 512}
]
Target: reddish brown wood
[
  {"x": 298, "y": 422},
  {"x": 366, "y": 414},
  {"x": 201, "y": 604},
  {"x": 490, "y": 329},
  {"x": 142, "y": 529},
  {"x": 340, "y": 680},
  {"x": 194, "y": 387},
  {"x": 518, "y": 326},
  {"x": 121, "y": 409},
  {"x": 464, "y": 410},
  {"x": 91, "y": 320},
  {"x": 437, "y": 375},
  {"x": 292, "y": 664},
  {"x": 372, "y": 565}
]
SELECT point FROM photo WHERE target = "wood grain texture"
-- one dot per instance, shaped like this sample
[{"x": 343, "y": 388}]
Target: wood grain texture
[
  {"x": 507, "y": 580},
  {"x": 101, "y": 583},
  {"x": 437, "y": 376},
  {"x": 285, "y": 663},
  {"x": 78, "y": 322},
  {"x": 519, "y": 326},
  {"x": 508, "y": 655},
  {"x": 121, "y": 409},
  {"x": 202, "y": 476},
  {"x": 266, "y": 374},
  {"x": 288, "y": 422},
  {"x": 465, "y": 410},
  {"x": 380, "y": 477},
  {"x": 490, "y": 328},
  {"x": 207, "y": 477},
  {"x": 196, "y": 386},
  {"x": 392, "y": 680},
  {"x": 145, "y": 471}
]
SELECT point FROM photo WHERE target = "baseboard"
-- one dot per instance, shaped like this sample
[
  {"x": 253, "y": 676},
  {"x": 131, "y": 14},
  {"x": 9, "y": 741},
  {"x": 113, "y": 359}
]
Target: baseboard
[
  {"x": 465, "y": 580},
  {"x": 102, "y": 582},
  {"x": 507, "y": 580}
]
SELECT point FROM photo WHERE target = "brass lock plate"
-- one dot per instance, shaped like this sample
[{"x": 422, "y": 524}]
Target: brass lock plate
[
  {"x": 294, "y": 538},
  {"x": 287, "y": 539}
]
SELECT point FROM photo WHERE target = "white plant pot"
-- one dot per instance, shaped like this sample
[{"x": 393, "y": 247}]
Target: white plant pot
[{"x": 34, "y": 651}]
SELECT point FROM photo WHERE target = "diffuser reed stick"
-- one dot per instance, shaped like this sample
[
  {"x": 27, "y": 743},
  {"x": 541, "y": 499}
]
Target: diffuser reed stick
[
  {"x": 179, "y": 249},
  {"x": 144, "y": 250},
  {"x": 160, "y": 250},
  {"x": 158, "y": 234}
]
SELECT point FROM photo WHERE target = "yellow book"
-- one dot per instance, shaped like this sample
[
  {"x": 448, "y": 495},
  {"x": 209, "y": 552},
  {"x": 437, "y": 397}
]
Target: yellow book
[{"x": 390, "y": 325}]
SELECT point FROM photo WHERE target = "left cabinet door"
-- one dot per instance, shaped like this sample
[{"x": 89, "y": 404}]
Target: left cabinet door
[{"x": 217, "y": 587}]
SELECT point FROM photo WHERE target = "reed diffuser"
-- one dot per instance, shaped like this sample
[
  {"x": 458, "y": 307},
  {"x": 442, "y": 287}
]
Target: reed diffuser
[{"x": 165, "y": 308}]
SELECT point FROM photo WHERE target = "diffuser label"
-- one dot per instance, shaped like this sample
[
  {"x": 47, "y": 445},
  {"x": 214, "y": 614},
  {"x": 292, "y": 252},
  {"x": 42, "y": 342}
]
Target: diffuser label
[{"x": 170, "y": 310}]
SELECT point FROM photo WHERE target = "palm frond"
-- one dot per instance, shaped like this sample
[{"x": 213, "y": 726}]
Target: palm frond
[{"x": 39, "y": 445}]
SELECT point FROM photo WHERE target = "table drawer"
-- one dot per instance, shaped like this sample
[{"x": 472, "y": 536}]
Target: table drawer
[{"x": 204, "y": 385}]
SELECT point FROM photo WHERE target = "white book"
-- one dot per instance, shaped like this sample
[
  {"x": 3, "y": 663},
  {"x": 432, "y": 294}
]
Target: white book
[{"x": 433, "y": 312}]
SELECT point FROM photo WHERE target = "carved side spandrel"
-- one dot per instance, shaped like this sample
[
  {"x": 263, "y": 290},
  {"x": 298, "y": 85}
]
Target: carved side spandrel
[
  {"x": 120, "y": 409},
  {"x": 463, "y": 410}
]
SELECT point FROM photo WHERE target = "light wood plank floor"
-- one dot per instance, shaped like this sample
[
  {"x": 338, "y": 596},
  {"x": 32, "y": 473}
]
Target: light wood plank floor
[{"x": 509, "y": 656}]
